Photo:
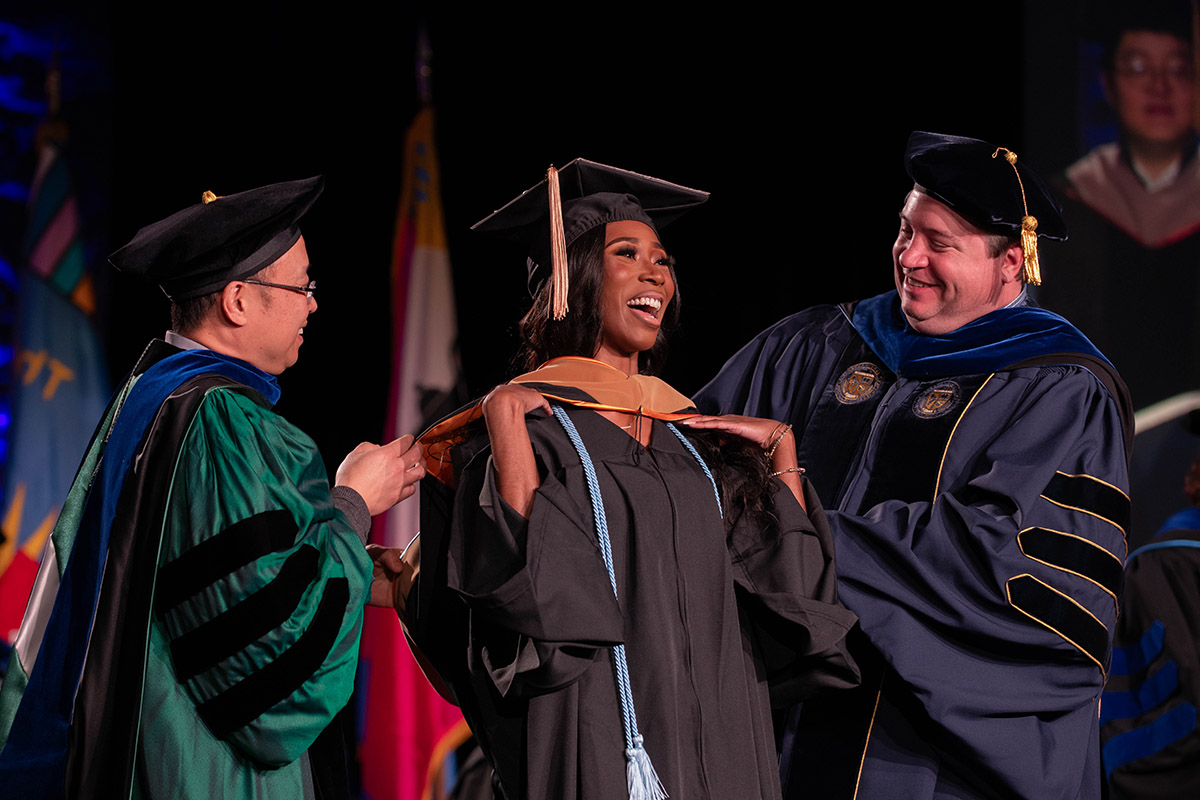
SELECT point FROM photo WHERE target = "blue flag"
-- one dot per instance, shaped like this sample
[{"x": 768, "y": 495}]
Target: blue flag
[{"x": 60, "y": 384}]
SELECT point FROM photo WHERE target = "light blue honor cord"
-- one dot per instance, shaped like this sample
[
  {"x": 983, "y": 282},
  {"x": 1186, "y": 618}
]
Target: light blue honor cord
[{"x": 640, "y": 775}]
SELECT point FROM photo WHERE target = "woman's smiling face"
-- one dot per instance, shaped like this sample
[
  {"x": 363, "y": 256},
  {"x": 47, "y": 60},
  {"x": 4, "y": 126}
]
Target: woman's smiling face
[{"x": 638, "y": 286}]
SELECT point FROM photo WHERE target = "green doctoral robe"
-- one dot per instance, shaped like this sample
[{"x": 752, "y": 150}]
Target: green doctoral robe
[{"x": 226, "y": 593}]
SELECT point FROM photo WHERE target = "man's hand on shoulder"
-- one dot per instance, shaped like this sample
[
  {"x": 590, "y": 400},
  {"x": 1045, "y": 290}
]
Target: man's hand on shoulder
[{"x": 382, "y": 474}]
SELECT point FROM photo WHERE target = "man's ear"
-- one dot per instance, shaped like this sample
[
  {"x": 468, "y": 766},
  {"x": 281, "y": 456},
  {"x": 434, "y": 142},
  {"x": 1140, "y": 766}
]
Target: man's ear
[
  {"x": 234, "y": 303},
  {"x": 1012, "y": 264}
]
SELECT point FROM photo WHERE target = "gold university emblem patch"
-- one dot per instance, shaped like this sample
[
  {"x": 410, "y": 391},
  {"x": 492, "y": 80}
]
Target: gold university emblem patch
[
  {"x": 939, "y": 399},
  {"x": 859, "y": 382}
]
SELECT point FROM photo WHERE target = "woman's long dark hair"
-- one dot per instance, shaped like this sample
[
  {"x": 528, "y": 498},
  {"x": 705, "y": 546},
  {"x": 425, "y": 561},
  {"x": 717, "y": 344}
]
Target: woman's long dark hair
[
  {"x": 738, "y": 466},
  {"x": 742, "y": 475}
]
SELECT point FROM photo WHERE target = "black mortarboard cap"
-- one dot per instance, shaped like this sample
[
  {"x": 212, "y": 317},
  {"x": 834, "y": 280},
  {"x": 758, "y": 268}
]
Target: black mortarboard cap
[
  {"x": 221, "y": 239},
  {"x": 989, "y": 186},
  {"x": 592, "y": 194}
]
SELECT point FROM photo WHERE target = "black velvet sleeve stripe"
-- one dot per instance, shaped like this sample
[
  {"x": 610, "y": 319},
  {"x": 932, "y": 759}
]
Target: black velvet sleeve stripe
[
  {"x": 213, "y": 559},
  {"x": 243, "y": 702},
  {"x": 212, "y": 642},
  {"x": 1075, "y": 555},
  {"x": 1060, "y": 614},
  {"x": 1091, "y": 496}
]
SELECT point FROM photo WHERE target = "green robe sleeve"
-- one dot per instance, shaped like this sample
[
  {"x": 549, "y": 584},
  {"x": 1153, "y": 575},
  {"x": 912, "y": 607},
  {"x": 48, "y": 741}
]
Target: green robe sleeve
[{"x": 261, "y": 583}]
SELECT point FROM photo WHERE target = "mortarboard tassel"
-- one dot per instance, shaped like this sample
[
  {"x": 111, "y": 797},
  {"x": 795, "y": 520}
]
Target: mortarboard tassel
[
  {"x": 559, "y": 280},
  {"x": 1031, "y": 271}
]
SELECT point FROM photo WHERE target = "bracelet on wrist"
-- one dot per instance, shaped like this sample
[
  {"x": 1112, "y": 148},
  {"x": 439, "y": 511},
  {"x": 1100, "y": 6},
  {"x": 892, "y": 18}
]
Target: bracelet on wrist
[
  {"x": 777, "y": 440},
  {"x": 797, "y": 470}
]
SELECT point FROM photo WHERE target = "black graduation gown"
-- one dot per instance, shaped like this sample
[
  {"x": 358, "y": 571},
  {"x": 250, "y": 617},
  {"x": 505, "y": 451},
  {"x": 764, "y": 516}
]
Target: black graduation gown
[{"x": 714, "y": 628}]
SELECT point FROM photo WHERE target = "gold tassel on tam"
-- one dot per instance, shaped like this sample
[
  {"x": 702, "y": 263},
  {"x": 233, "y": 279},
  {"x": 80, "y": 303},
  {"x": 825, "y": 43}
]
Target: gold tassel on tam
[
  {"x": 208, "y": 197},
  {"x": 1032, "y": 272},
  {"x": 559, "y": 281}
]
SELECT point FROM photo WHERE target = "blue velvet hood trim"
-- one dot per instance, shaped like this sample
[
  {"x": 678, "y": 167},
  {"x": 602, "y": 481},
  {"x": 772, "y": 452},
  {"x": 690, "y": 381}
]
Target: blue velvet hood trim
[{"x": 996, "y": 340}]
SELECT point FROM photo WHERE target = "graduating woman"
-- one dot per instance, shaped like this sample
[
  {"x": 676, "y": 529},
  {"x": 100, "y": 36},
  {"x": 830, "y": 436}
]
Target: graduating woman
[{"x": 615, "y": 589}]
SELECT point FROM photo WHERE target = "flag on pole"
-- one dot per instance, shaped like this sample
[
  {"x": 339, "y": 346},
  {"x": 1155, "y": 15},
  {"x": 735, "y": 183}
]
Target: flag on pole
[
  {"x": 407, "y": 731},
  {"x": 60, "y": 386}
]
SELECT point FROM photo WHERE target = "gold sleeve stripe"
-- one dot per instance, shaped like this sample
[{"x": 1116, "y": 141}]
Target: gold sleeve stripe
[
  {"x": 1074, "y": 555},
  {"x": 937, "y": 487},
  {"x": 1091, "y": 496},
  {"x": 1061, "y": 615},
  {"x": 867, "y": 741},
  {"x": 1100, "y": 481}
]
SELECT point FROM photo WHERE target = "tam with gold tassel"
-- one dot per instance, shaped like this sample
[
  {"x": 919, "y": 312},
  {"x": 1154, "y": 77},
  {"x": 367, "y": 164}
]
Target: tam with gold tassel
[{"x": 957, "y": 171}]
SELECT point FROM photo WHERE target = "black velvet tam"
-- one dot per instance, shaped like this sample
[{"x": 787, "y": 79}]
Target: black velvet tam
[
  {"x": 203, "y": 247},
  {"x": 963, "y": 174}
]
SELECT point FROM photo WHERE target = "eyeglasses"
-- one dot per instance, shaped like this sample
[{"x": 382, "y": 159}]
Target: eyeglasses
[
  {"x": 307, "y": 290},
  {"x": 1138, "y": 67}
]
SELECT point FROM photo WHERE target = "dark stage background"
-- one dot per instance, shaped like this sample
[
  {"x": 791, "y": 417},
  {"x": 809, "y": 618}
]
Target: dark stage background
[{"x": 795, "y": 124}]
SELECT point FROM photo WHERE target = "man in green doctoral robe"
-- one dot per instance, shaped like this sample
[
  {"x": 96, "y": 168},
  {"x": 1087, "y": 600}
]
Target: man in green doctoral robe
[{"x": 194, "y": 629}]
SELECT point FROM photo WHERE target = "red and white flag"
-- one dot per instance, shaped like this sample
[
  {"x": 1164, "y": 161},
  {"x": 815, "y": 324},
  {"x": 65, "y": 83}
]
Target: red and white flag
[{"x": 406, "y": 729}]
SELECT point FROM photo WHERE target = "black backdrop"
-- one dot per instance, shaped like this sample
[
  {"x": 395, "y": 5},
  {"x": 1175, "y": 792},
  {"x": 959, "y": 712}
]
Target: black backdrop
[{"x": 795, "y": 122}]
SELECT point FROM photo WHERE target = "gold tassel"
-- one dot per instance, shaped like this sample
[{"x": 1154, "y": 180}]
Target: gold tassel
[
  {"x": 208, "y": 197},
  {"x": 560, "y": 283},
  {"x": 1031, "y": 271}
]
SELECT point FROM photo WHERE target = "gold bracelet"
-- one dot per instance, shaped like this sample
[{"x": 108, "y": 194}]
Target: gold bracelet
[
  {"x": 797, "y": 470},
  {"x": 778, "y": 439},
  {"x": 775, "y": 430}
]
